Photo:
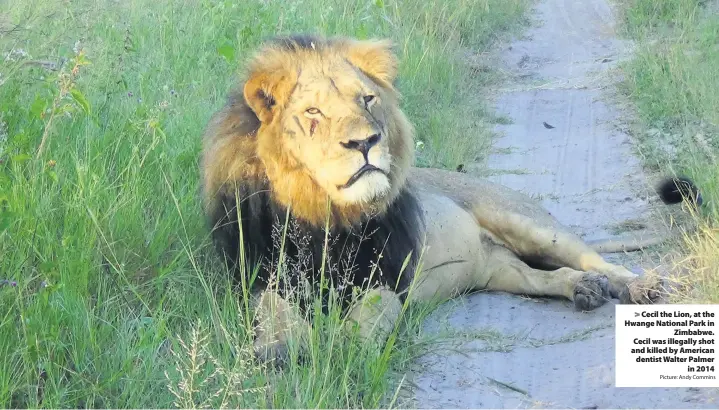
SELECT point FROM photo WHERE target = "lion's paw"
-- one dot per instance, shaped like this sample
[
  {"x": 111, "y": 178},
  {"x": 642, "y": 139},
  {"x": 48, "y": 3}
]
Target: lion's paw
[
  {"x": 270, "y": 351},
  {"x": 643, "y": 290},
  {"x": 591, "y": 292}
]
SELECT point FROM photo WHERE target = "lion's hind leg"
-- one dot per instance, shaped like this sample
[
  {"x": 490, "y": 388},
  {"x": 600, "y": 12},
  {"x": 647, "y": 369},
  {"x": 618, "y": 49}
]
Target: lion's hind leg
[
  {"x": 508, "y": 273},
  {"x": 563, "y": 249}
]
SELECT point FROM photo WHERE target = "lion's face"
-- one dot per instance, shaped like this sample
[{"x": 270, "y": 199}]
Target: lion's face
[
  {"x": 329, "y": 123},
  {"x": 334, "y": 125}
]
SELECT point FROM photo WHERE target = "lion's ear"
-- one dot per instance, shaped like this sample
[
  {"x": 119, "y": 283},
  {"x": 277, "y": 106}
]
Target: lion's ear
[
  {"x": 375, "y": 58},
  {"x": 267, "y": 87}
]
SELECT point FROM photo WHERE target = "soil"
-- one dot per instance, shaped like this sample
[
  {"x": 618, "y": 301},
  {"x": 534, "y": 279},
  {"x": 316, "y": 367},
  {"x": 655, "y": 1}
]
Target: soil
[{"x": 565, "y": 146}]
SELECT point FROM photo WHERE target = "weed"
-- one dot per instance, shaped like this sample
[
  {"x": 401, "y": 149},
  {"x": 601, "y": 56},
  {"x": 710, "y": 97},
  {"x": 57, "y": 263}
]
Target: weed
[{"x": 672, "y": 83}]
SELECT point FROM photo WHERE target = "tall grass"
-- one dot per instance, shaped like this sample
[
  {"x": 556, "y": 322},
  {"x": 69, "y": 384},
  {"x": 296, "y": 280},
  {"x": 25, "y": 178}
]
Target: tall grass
[
  {"x": 673, "y": 83},
  {"x": 110, "y": 294}
]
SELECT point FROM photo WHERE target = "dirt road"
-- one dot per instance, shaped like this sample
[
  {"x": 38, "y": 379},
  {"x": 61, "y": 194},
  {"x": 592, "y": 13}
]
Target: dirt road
[{"x": 563, "y": 145}]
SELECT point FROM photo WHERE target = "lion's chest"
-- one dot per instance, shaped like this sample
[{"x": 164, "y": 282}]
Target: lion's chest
[{"x": 454, "y": 248}]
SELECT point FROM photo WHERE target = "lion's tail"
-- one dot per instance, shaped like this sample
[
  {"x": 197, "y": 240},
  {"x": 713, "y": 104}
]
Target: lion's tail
[{"x": 671, "y": 191}]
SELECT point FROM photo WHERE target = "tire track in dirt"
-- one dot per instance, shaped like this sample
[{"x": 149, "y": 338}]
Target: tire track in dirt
[{"x": 518, "y": 352}]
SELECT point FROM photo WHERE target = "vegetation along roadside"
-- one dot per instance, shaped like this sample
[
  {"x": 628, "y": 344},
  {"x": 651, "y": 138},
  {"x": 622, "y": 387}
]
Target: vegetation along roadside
[
  {"x": 672, "y": 82},
  {"x": 108, "y": 297}
]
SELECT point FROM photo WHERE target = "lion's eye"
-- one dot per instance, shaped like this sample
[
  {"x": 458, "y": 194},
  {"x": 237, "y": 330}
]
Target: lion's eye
[
  {"x": 313, "y": 111},
  {"x": 368, "y": 100}
]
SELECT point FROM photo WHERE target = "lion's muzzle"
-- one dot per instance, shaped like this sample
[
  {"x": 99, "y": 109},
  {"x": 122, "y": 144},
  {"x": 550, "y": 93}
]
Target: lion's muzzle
[{"x": 366, "y": 168}]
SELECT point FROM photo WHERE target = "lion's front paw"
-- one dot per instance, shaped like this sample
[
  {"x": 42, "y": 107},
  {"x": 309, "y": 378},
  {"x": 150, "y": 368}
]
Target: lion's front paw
[
  {"x": 591, "y": 292},
  {"x": 269, "y": 350},
  {"x": 643, "y": 290}
]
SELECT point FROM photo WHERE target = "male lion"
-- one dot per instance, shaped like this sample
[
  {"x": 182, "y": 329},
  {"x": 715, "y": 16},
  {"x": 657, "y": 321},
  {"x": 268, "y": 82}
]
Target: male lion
[{"x": 316, "y": 139}]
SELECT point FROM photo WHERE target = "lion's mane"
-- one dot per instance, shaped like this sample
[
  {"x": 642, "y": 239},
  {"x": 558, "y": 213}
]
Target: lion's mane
[{"x": 232, "y": 171}]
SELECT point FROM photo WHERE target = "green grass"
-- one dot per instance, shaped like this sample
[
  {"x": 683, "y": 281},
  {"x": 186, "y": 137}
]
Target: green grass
[
  {"x": 114, "y": 297},
  {"x": 673, "y": 84}
]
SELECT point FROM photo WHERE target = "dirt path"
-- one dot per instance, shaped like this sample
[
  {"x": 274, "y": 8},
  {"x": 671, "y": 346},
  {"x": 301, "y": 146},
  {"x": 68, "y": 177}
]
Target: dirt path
[{"x": 564, "y": 146}]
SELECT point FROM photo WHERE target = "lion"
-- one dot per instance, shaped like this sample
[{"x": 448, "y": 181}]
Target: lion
[{"x": 315, "y": 138}]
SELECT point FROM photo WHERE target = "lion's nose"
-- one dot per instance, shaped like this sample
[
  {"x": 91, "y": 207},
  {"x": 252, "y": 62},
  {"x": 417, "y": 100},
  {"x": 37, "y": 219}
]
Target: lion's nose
[{"x": 364, "y": 145}]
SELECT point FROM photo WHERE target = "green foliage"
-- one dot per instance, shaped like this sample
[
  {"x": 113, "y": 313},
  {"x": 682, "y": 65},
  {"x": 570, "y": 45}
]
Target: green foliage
[
  {"x": 645, "y": 16},
  {"x": 673, "y": 83}
]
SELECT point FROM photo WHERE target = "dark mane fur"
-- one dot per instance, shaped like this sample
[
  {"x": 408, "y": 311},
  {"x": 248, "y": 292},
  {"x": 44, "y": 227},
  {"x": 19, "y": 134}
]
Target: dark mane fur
[{"x": 351, "y": 255}]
